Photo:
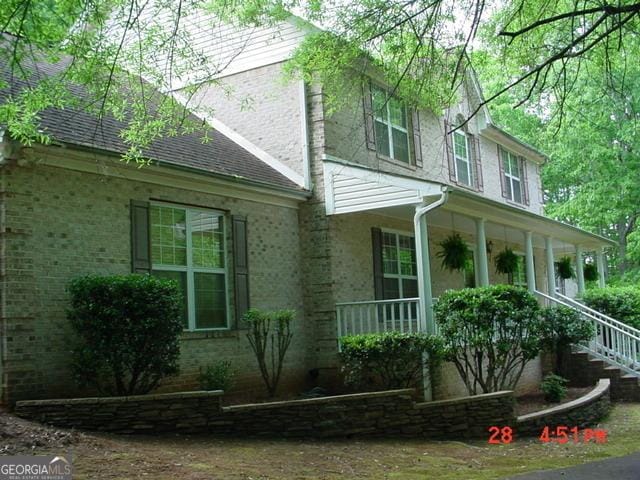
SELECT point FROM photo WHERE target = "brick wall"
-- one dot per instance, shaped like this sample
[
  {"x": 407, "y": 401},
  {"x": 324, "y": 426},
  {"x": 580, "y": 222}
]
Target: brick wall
[
  {"x": 261, "y": 105},
  {"x": 59, "y": 224},
  {"x": 391, "y": 413}
]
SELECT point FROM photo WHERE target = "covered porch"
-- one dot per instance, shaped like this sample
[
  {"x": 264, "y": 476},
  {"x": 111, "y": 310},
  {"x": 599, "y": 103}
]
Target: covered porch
[{"x": 412, "y": 217}]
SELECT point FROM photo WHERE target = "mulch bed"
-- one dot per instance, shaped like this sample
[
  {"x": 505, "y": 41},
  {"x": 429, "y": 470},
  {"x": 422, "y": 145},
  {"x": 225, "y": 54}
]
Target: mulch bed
[{"x": 534, "y": 402}]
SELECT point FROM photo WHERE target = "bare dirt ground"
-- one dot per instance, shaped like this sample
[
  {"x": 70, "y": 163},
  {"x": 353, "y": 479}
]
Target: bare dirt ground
[
  {"x": 535, "y": 402},
  {"x": 204, "y": 457}
]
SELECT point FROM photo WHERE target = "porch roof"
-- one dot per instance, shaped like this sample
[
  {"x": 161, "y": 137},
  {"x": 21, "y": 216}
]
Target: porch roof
[{"x": 351, "y": 188}]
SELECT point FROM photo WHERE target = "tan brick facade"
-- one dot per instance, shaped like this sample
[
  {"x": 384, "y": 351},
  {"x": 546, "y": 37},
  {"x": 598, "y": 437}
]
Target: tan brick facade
[{"x": 58, "y": 224}]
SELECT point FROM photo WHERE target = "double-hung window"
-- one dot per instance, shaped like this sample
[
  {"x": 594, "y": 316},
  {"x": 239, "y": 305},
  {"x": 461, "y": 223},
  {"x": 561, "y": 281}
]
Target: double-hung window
[
  {"x": 461, "y": 153},
  {"x": 519, "y": 278},
  {"x": 188, "y": 246},
  {"x": 399, "y": 265},
  {"x": 512, "y": 176},
  {"x": 391, "y": 125}
]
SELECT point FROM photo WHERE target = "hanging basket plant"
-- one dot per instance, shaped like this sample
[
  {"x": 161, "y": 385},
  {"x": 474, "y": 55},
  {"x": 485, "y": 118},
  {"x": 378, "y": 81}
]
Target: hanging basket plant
[
  {"x": 455, "y": 252},
  {"x": 506, "y": 262},
  {"x": 565, "y": 268},
  {"x": 590, "y": 272}
]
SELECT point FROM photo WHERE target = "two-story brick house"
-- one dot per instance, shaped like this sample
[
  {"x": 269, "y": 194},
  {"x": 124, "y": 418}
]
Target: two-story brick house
[{"x": 335, "y": 215}]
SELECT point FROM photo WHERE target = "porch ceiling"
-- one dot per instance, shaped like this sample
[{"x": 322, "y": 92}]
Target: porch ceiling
[{"x": 350, "y": 188}]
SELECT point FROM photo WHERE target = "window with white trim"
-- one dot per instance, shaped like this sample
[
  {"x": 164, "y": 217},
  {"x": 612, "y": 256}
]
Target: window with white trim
[
  {"x": 188, "y": 246},
  {"x": 399, "y": 265},
  {"x": 391, "y": 125},
  {"x": 512, "y": 176},
  {"x": 462, "y": 158}
]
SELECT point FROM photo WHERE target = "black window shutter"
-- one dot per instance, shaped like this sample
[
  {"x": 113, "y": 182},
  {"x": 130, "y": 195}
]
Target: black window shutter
[
  {"x": 417, "y": 144},
  {"x": 378, "y": 274},
  {"x": 240, "y": 266},
  {"x": 524, "y": 181},
  {"x": 369, "y": 127},
  {"x": 477, "y": 162},
  {"x": 140, "y": 237},
  {"x": 448, "y": 151},
  {"x": 503, "y": 180}
]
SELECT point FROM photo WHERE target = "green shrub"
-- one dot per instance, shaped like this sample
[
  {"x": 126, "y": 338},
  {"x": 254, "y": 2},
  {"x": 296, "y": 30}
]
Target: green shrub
[
  {"x": 562, "y": 326},
  {"x": 621, "y": 303},
  {"x": 127, "y": 332},
  {"x": 554, "y": 388},
  {"x": 390, "y": 360},
  {"x": 489, "y": 334},
  {"x": 270, "y": 337},
  {"x": 217, "y": 376}
]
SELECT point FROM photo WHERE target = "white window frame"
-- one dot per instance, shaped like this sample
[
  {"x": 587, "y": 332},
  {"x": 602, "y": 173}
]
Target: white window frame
[
  {"x": 466, "y": 160},
  {"x": 390, "y": 125},
  {"x": 191, "y": 270},
  {"x": 398, "y": 276},
  {"x": 509, "y": 177}
]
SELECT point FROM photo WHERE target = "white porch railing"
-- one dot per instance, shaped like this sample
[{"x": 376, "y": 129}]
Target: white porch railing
[
  {"x": 378, "y": 316},
  {"x": 615, "y": 342}
]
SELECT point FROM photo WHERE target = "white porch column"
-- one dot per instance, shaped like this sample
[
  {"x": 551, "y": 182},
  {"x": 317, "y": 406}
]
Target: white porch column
[
  {"x": 551, "y": 273},
  {"x": 481, "y": 250},
  {"x": 424, "y": 276},
  {"x": 580, "y": 270},
  {"x": 600, "y": 265},
  {"x": 530, "y": 268}
]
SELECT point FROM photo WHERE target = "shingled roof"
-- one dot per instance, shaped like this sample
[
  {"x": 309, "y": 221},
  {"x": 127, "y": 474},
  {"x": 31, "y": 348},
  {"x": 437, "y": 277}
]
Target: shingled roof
[{"x": 220, "y": 155}]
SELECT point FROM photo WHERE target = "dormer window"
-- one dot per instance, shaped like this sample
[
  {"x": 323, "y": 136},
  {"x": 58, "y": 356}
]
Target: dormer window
[
  {"x": 513, "y": 177},
  {"x": 463, "y": 153}
]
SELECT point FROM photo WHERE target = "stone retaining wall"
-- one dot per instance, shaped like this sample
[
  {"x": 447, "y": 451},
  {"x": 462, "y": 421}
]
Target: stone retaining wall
[
  {"x": 582, "y": 412},
  {"x": 392, "y": 413}
]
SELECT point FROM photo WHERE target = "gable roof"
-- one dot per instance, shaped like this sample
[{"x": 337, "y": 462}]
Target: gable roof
[{"x": 220, "y": 155}]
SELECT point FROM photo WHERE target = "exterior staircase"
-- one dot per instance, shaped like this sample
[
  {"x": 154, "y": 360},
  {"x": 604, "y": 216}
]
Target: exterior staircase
[
  {"x": 613, "y": 353},
  {"x": 584, "y": 370}
]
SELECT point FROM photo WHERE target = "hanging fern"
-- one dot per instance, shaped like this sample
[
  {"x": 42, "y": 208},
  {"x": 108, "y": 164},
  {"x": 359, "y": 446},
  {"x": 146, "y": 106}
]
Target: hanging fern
[
  {"x": 506, "y": 262},
  {"x": 565, "y": 268},
  {"x": 455, "y": 252},
  {"x": 590, "y": 272}
]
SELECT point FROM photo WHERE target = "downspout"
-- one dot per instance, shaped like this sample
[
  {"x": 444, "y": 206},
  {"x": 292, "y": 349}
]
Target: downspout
[
  {"x": 304, "y": 133},
  {"x": 422, "y": 261}
]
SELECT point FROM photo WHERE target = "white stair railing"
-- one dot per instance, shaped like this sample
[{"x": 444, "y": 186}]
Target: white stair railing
[
  {"x": 400, "y": 315},
  {"x": 615, "y": 342}
]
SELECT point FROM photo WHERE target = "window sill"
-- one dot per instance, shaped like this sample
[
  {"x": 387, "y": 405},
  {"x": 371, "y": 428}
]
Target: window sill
[
  {"x": 399, "y": 163},
  {"x": 516, "y": 204},
  {"x": 467, "y": 187},
  {"x": 200, "y": 334}
]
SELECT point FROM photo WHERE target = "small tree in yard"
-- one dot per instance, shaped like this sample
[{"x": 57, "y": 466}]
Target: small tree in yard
[
  {"x": 127, "y": 330},
  {"x": 270, "y": 337},
  {"x": 561, "y": 327},
  {"x": 489, "y": 334},
  {"x": 393, "y": 359}
]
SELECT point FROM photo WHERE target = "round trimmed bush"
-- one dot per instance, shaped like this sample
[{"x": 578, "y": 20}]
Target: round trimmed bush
[{"x": 127, "y": 329}]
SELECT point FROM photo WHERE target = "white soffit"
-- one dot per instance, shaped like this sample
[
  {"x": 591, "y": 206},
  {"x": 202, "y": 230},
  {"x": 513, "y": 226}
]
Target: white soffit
[{"x": 355, "y": 189}]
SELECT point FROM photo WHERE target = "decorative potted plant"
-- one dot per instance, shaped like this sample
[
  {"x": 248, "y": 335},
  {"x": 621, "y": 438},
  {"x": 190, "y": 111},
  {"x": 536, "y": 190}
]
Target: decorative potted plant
[
  {"x": 590, "y": 272},
  {"x": 455, "y": 252},
  {"x": 506, "y": 262},
  {"x": 565, "y": 268}
]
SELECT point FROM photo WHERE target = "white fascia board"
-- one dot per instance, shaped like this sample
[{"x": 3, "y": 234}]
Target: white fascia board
[{"x": 250, "y": 147}]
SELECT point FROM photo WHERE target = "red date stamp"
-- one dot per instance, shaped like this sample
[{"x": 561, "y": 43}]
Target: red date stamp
[
  {"x": 564, "y": 434},
  {"x": 560, "y": 434}
]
